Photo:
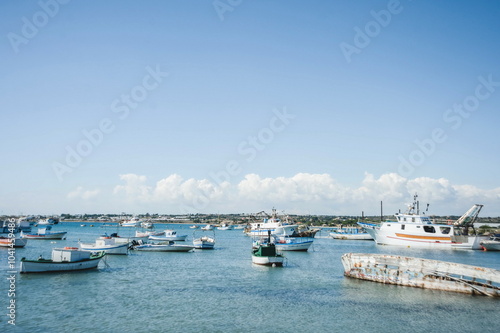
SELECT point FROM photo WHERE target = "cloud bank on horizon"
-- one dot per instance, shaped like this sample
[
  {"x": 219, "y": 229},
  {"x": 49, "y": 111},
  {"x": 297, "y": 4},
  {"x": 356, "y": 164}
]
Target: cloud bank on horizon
[{"x": 303, "y": 193}]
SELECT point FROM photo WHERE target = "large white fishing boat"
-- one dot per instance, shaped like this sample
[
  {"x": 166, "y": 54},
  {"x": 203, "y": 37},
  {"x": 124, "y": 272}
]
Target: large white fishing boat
[
  {"x": 271, "y": 223},
  {"x": 413, "y": 229}
]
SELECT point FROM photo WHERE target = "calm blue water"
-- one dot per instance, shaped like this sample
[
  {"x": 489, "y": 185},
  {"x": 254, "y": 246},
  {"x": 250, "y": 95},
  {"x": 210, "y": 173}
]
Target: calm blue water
[{"x": 222, "y": 291}]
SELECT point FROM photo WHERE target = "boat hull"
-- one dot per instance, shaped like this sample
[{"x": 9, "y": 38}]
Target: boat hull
[
  {"x": 55, "y": 235},
  {"x": 490, "y": 245},
  {"x": 163, "y": 248},
  {"x": 358, "y": 236},
  {"x": 43, "y": 266},
  {"x": 422, "y": 273},
  {"x": 294, "y": 245},
  {"x": 268, "y": 261},
  {"x": 168, "y": 238},
  {"x": 111, "y": 249},
  {"x": 203, "y": 245},
  {"x": 13, "y": 242}
]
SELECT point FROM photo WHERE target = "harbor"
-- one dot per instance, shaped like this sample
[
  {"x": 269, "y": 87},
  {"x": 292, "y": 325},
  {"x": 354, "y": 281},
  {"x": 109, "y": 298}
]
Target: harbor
[{"x": 217, "y": 290}]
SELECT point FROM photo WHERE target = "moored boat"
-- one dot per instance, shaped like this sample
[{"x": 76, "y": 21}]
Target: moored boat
[
  {"x": 12, "y": 242},
  {"x": 106, "y": 244},
  {"x": 133, "y": 222},
  {"x": 351, "y": 233},
  {"x": 168, "y": 235},
  {"x": 272, "y": 224},
  {"x": 491, "y": 244},
  {"x": 160, "y": 247},
  {"x": 413, "y": 229},
  {"x": 286, "y": 243},
  {"x": 422, "y": 273},
  {"x": 62, "y": 260},
  {"x": 147, "y": 233},
  {"x": 267, "y": 255},
  {"x": 203, "y": 241},
  {"x": 45, "y": 233}
]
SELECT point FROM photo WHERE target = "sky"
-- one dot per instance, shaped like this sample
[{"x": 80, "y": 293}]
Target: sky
[{"x": 237, "y": 106}]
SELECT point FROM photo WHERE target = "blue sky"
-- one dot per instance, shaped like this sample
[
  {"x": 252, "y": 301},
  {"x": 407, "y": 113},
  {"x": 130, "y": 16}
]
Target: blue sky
[{"x": 316, "y": 107}]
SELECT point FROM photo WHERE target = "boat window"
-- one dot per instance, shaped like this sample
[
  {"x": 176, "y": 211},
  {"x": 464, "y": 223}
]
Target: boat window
[
  {"x": 445, "y": 230},
  {"x": 402, "y": 227},
  {"x": 413, "y": 219},
  {"x": 429, "y": 229}
]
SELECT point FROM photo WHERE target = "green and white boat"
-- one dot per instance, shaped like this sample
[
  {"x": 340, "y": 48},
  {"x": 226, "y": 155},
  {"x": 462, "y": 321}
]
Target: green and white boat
[{"x": 63, "y": 260}]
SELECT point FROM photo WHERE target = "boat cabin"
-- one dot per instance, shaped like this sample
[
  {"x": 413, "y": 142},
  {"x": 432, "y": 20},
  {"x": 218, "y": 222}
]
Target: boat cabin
[{"x": 69, "y": 254}]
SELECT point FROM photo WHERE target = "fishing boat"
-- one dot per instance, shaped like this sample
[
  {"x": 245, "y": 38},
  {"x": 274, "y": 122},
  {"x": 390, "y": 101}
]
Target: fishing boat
[
  {"x": 264, "y": 252},
  {"x": 422, "y": 273},
  {"x": 351, "y": 233},
  {"x": 147, "y": 224},
  {"x": 287, "y": 243},
  {"x": 168, "y": 235},
  {"x": 63, "y": 260},
  {"x": 204, "y": 242},
  {"x": 48, "y": 221},
  {"x": 147, "y": 233},
  {"x": 413, "y": 229},
  {"x": 160, "y": 247},
  {"x": 45, "y": 233},
  {"x": 491, "y": 244},
  {"x": 225, "y": 226},
  {"x": 107, "y": 244},
  {"x": 133, "y": 222},
  {"x": 194, "y": 227},
  {"x": 271, "y": 223},
  {"x": 12, "y": 242},
  {"x": 208, "y": 227}
]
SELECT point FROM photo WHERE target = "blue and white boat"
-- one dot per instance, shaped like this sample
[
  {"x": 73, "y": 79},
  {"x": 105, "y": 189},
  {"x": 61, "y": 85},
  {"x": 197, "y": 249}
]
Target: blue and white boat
[
  {"x": 351, "y": 233},
  {"x": 286, "y": 243},
  {"x": 45, "y": 233}
]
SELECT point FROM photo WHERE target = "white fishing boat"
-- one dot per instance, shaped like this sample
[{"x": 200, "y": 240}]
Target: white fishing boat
[
  {"x": 147, "y": 233},
  {"x": 225, "y": 226},
  {"x": 45, "y": 233},
  {"x": 147, "y": 224},
  {"x": 168, "y": 235},
  {"x": 160, "y": 247},
  {"x": 62, "y": 260},
  {"x": 106, "y": 244},
  {"x": 422, "y": 273},
  {"x": 271, "y": 223},
  {"x": 208, "y": 227},
  {"x": 133, "y": 222},
  {"x": 13, "y": 242},
  {"x": 287, "y": 243},
  {"x": 351, "y": 233},
  {"x": 491, "y": 244},
  {"x": 194, "y": 227},
  {"x": 47, "y": 221},
  {"x": 413, "y": 229}
]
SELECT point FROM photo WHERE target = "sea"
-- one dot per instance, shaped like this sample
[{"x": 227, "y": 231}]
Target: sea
[{"x": 220, "y": 290}]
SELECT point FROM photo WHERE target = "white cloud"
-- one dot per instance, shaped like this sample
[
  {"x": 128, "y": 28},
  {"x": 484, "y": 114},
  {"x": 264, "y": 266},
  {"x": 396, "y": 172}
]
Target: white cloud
[
  {"x": 80, "y": 193},
  {"x": 303, "y": 193}
]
